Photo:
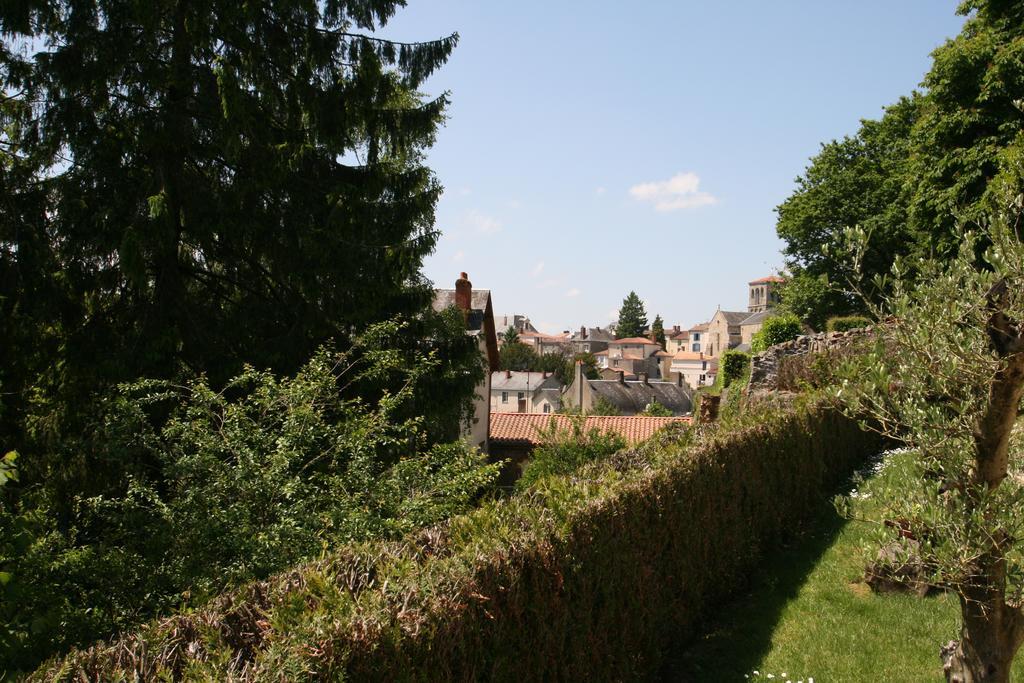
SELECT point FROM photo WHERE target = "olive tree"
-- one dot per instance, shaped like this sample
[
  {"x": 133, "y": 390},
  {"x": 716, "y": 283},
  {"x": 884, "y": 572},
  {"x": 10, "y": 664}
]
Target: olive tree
[{"x": 945, "y": 376}]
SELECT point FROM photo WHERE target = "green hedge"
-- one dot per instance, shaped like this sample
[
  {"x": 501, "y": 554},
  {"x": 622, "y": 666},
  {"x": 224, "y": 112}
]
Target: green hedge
[
  {"x": 734, "y": 366},
  {"x": 591, "y": 575},
  {"x": 843, "y": 323}
]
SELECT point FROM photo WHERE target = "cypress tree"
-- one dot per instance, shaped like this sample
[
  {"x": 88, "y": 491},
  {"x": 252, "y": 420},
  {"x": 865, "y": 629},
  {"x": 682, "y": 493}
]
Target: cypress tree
[
  {"x": 632, "y": 317},
  {"x": 658, "y": 331}
]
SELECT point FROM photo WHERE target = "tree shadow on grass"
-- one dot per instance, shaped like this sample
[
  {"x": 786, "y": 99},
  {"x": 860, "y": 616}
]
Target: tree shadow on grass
[{"x": 738, "y": 634}]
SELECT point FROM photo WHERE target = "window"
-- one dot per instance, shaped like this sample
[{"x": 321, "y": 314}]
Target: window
[
  {"x": 522, "y": 395},
  {"x": 704, "y": 365},
  {"x": 696, "y": 348},
  {"x": 696, "y": 336},
  {"x": 703, "y": 379},
  {"x": 504, "y": 397},
  {"x": 547, "y": 408}
]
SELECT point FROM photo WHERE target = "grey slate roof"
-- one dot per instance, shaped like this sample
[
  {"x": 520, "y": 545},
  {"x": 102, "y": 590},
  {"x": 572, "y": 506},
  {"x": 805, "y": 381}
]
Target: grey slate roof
[
  {"x": 443, "y": 298},
  {"x": 745, "y": 348},
  {"x": 522, "y": 381},
  {"x": 594, "y": 334},
  {"x": 758, "y": 318},
  {"x": 735, "y": 317},
  {"x": 632, "y": 397}
]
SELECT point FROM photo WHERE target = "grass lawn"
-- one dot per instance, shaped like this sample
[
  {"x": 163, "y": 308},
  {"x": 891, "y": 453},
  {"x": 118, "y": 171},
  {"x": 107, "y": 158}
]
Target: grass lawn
[{"x": 809, "y": 615}]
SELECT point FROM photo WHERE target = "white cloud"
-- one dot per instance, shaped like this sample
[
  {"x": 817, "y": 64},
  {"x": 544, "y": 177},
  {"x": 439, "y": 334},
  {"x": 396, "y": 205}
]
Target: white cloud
[
  {"x": 681, "y": 191},
  {"x": 572, "y": 292},
  {"x": 481, "y": 222},
  {"x": 459, "y": 256},
  {"x": 600, "y": 191},
  {"x": 465, "y": 191},
  {"x": 537, "y": 269}
]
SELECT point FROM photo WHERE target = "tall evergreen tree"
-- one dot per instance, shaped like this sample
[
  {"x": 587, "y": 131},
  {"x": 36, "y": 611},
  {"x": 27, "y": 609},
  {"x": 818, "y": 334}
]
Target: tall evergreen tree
[
  {"x": 658, "y": 330},
  {"x": 198, "y": 185},
  {"x": 632, "y": 317}
]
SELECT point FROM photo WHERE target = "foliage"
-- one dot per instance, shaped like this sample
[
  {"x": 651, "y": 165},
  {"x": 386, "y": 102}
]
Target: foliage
[
  {"x": 658, "y": 331},
  {"x": 733, "y": 366},
  {"x": 813, "y": 298},
  {"x": 846, "y": 323},
  {"x": 655, "y": 409},
  {"x": 776, "y": 330},
  {"x": 518, "y": 357},
  {"x": 589, "y": 362},
  {"x": 931, "y": 165},
  {"x": 946, "y": 377},
  {"x": 544, "y": 583},
  {"x": 192, "y": 187},
  {"x": 238, "y": 483},
  {"x": 511, "y": 335},
  {"x": 603, "y": 406},
  {"x": 563, "y": 451},
  {"x": 632, "y": 318}
]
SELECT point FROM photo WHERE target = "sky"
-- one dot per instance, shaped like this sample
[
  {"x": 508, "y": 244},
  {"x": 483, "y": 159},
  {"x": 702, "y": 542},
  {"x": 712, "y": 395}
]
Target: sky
[{"x": 594, "y": 148}]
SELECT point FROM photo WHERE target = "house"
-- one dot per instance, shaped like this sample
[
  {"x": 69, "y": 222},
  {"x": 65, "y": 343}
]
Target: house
[
  {"x": 752, "y": 325},
  {"x": 627, "y": 396},
  {"x": 724, "y": 331},
  {"x": 698, "y": 338},
  {"x": 633, "y": 354},
  {"x": 479, "y": 314},
  {"x": 520, "y": 323},
  {"x": 545, "y": 343},
  {"x": 591, "y": 340},
  {"x": 525, "y": 392},
  {"x": 613, "y": 373},
  {"x": 764, "y": 293},
  {"x": 513, "y": 436},
  {"x": 676, "y": 340},
  {"x": 696, "y": 369}
]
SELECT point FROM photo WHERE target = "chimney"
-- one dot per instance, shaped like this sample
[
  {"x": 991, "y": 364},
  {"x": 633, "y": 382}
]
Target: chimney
[
  {"x": 583, "y": 331},
  {"x": 508, "y": 374},
  {"x": 643, "y": 378},
  {"x": 622, "y": 376},
  {"x": 675, "y": 329},
  {"x": 463, "y": 292},
  {"x": 679, "y": 378}
]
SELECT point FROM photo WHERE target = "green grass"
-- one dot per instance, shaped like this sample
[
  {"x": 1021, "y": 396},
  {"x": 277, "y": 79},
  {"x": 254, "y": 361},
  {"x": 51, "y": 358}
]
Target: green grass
[{"x": 810, "y": 615}]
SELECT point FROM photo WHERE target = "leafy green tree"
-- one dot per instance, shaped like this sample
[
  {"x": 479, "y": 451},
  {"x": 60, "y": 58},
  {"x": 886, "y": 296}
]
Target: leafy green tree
[
  {"x": 971, "y": 114},
  {"x": 655, "y": 409},
  {"x": 858, "y": 180},
  {"x": 658, "y": 331},
  {"x": 190, "y": 187},
  {"x": 776, "y": 330},
  {"x": 565, "y": 449},
  {"x": 511, "y": 336},
  {"x": 518, "y": 357},
  {"x": 589, "y": 362},
  {"x": 947, "y": 378},
  {"x": 632, "y": 318},
  {"x": 603, "y": 406}
]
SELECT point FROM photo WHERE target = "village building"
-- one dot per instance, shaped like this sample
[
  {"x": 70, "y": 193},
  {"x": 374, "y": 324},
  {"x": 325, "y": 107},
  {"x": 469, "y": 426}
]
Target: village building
[
  {"x": 696, "y": 369},
  {"x": 676, "y": 339},
  {"x": 764, "y": 293},
  {"x": 525, "y": 392},
  {"x": 698, "y": 338},
  {"x": 479, "y": 314},
  {"x": 635, "y": 355},
  {"x": 629, "y": 397},
  {"x": 724, "y": 332},
  {"x": 545, "y": 343},
  {"x": 591, "y": 340}
]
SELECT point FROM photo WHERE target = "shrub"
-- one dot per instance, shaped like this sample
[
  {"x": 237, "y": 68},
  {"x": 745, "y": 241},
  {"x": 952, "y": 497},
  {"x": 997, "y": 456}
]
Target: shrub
[
  {"x": 844, "y": 323},
  {"x": 564, "y": 450},
  {"x": 734, "y": 365},
  {"x": 262, "y": 475},
  {"x": 593, "y": 575},
  {"x": 655, "y": 409},
  {"x": 776, "y": 330}
]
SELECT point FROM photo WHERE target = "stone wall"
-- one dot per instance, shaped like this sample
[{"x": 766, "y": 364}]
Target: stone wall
[{"x": 764, "y": 367}]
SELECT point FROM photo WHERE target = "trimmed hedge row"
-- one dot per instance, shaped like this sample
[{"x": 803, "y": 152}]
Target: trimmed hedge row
[{"x": 589, "y": 576}]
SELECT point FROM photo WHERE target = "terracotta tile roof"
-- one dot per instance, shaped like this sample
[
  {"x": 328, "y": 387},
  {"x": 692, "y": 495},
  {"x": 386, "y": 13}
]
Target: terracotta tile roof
[
  {"x": 633, "y": 340},
  {"x": 703, "y": 327},
  {"x": 690, "y": 355},
  {"x": 602, "y": 353},
  {"x": 770, "y": 278},
  {"x": 523, "y": 427}
]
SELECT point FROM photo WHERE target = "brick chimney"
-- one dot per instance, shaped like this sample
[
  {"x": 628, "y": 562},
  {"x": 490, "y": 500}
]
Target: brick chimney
[
  {"x": 508, "y": 374},
  {"x": 583, "y": 331},
  {"x": 643, "y": 378},
  {"x": 463, "y": 292},
  {"x": 622, "y": 376},
  {"x": 675, "y": 329}
]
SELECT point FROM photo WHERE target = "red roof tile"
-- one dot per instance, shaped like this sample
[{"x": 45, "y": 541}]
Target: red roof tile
[
  {"x": 522, "y": 427},
  {"x": 633, "y": 340},
  {"x": 770, "y": 278}
]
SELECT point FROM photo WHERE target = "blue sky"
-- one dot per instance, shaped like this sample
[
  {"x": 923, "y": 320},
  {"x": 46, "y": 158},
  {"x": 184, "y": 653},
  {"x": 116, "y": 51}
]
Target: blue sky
[{"x": 596, "y": 148}]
